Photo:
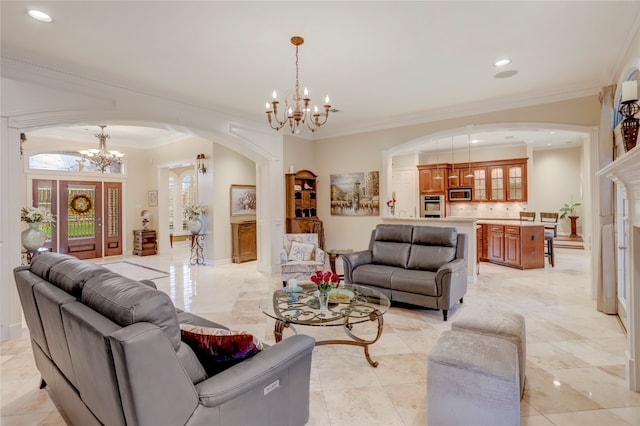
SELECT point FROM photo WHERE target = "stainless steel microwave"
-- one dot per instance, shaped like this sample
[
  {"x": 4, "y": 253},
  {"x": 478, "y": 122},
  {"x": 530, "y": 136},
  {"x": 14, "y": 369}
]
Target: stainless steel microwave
[{"x": 460, "y": 194}]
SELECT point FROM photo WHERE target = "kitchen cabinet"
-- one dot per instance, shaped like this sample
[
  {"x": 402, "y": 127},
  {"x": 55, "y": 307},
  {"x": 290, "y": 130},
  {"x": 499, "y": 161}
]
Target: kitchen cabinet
[
  {"x": 495, "y": 243},
  {"x": 144, "y": 242},
  {"x": 515, "y": 245},
  {"x": 516, "y": 182},
  {"x": 497, "y": 181},
  {"x": 480, "y": 183},
  {"x": 461, "y": 177},
  {"x": 507, "y": 180},
  {"x": 433, "y": 180},
  {"x": 243, "y": 242}
]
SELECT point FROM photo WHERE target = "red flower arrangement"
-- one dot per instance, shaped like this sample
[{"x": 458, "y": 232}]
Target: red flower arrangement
[
  {"x": 325, "y": 280},
  {"x": 391, "y": 202}
]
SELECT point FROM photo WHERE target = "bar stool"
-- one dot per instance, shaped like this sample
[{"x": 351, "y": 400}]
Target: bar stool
[
  {"x": 548, "y": 238},
  {"x": 550, "y": 232},
  {"x": 529, "y": 216}
]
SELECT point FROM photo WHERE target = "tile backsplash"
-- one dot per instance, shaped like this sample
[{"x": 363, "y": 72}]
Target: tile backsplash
[{"x": 486, "y": 210}]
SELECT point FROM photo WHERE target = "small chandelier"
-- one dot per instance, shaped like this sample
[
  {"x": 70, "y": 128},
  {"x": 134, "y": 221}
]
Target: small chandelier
[
  {"x": 101, "y": 158},
  {"x": 297, "y": 110}
]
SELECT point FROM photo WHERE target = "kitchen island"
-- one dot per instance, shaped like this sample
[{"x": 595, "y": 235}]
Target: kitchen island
[{"x": 513, "y": 243}]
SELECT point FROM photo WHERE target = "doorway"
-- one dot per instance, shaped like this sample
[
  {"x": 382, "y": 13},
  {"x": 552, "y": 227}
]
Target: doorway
[{"x": 88, "y": 216}]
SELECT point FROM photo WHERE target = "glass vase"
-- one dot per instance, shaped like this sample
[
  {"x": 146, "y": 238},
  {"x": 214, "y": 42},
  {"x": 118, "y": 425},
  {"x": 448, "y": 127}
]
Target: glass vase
[
  {"x": 33, "y": 237},
  {"x": 323, "y": 300}
]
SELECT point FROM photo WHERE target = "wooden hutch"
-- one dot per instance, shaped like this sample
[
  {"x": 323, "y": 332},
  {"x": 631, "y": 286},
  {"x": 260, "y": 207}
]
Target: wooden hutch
[{"x": 302, "y": 204}]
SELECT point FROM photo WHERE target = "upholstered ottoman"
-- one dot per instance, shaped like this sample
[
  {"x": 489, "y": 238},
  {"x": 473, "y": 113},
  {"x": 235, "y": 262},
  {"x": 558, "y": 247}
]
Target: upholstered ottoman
[
  {"x": 473, "y": 380},
  {"x": 504, "y": 324}
]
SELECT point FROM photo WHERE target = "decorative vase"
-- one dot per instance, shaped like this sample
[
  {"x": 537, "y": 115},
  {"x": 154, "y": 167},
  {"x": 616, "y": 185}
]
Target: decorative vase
[
  {"x": 195, "y": 225},
  {"x": 323, "y": 299},
  {"x": 33, "y": 237}
]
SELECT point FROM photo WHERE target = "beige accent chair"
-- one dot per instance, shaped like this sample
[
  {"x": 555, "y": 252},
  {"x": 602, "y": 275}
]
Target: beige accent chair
[{"x": 292, "y": 265}]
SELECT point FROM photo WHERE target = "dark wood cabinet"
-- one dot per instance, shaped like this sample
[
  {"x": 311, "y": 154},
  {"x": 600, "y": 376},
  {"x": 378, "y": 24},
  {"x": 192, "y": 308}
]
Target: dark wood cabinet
[
  {"x": 517, "y": 246},
  {"x": 499, "y": 181},
  {"x": 461, "y": 176},
  {"x": 495, "y": 243},
  {"x": 512, "y": 245},
  {"x": 144, "y": 242},
  {"x": 432, "y": 180},
  {"x": 244, "y": 246},
  {"x": 302, "y": 204}
]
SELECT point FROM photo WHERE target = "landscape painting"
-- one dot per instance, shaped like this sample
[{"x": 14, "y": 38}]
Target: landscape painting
[{"x": 355, "y": 194}]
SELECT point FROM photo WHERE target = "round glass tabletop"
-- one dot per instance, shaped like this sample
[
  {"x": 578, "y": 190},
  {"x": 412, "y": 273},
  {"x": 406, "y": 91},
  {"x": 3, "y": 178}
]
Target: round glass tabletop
[{"x": 348, "y": 304}]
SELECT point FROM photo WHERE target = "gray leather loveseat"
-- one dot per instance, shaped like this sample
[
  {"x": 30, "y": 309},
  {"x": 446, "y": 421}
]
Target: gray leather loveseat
[
  {"x": 420, "y": 265},
  {"x": 109, "y": 348}
]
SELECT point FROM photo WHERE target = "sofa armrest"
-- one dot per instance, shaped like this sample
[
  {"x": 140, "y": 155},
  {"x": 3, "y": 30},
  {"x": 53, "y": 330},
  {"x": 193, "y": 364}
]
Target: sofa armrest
[
  {"x": 261, "y": 369},
  {"x": 352, "y": 261},
  {"x": 451, "y": 281},
  {"x": 284, "y": 256},
  {"x": 453, "y": 266}
]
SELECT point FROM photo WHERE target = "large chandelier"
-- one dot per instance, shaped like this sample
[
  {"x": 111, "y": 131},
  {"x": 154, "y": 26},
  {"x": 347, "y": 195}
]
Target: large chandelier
[
  {"x": 101, "y": 158},
  {"x": 297, "y": 110}
]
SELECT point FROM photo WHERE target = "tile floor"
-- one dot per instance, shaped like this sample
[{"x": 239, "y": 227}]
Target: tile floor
[{"x": 575, "y": 355}]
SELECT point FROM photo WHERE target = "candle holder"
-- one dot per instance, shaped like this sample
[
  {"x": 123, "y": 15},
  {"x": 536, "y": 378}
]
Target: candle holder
[{"x": 630, "y": 124}]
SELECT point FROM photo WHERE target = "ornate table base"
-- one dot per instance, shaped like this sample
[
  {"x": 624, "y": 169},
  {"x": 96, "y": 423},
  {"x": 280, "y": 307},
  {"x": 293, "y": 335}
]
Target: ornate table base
[{"x": 357, "y": 341}]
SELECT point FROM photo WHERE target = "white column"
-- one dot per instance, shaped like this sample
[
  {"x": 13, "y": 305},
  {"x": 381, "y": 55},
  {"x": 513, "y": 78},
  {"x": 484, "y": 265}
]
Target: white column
[{"x": 10, "y": 227}]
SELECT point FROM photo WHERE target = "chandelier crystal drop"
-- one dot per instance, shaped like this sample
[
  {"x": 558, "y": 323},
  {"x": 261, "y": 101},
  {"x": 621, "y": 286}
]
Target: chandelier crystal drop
[
  {"x": 101, "y": 158},
  {"x": 296, "y": 107}
]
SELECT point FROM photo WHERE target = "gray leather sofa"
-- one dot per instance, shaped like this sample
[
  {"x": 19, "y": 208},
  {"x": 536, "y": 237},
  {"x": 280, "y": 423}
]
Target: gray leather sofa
[
  {"x": 109, "y": 348},
  {"x": 419, "y": 265}
]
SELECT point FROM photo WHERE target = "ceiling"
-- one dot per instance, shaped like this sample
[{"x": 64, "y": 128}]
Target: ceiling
[{"x": 384, "y": 64}]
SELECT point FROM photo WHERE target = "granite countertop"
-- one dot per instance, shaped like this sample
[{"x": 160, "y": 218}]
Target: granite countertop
[{"x": 512, "y": 222}]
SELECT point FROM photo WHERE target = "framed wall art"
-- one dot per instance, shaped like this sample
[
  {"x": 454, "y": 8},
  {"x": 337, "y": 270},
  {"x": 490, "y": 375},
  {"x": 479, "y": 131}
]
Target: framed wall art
[
  {"x": 243, "y": 200},
  {"x": 153, "y": 198},
  {"x": 355, "y": 194}
]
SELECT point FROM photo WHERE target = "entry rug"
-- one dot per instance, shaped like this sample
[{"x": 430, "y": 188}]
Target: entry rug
[{"x": 135, "y": 271}]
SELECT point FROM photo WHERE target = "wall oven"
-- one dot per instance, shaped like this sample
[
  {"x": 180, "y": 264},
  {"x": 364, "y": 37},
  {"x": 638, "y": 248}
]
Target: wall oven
[{"x": 432, "y": 206}]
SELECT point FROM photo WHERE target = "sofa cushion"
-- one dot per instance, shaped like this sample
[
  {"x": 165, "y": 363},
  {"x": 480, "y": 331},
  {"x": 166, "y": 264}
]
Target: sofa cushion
[
  {"x": 414, "y": 281},
  {"x": 376, "y": 275},
  {"x": 71, "y": 274},
  {"x": 391, "y": 245},
  {"x": 42, "y": 264},
  {"x": 432, "y": 247},
  {"x": 393, "y": 233},
  {"x": 218, "y": 348},
  {"x": 126, "y": 301}
]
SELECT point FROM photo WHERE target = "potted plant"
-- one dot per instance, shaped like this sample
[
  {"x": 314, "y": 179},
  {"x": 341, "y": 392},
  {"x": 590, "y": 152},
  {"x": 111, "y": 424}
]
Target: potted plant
[{"x": 568, "y": 210}]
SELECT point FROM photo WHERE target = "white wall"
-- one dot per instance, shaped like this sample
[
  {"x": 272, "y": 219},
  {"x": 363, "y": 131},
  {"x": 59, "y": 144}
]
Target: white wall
[
  {"x": 556, "y": 179},
  {"x": 229, "y": 168}
]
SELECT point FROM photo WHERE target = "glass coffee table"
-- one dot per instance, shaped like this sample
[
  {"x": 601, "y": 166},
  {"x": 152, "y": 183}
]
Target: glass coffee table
[{"x": 349, "y": 304}]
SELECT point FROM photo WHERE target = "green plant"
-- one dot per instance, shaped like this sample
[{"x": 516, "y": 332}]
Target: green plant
[{"x": 568, "y": 209}]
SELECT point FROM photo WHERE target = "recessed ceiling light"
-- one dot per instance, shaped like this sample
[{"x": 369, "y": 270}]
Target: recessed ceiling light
[
  {"x": 39, "y": 15},
  {"x": 502, "y": 62},
  {"x": 548, "y": 144},
  {"x": 552, "y": 132},
  {"x": 476, "y": 141}
]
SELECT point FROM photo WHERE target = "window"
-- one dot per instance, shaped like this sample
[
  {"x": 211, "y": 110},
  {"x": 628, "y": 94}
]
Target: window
[
  {"x": 188, "y": 197},
  {"x": 172, "y": 200},
  {"x": 68, "y": 162}
]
